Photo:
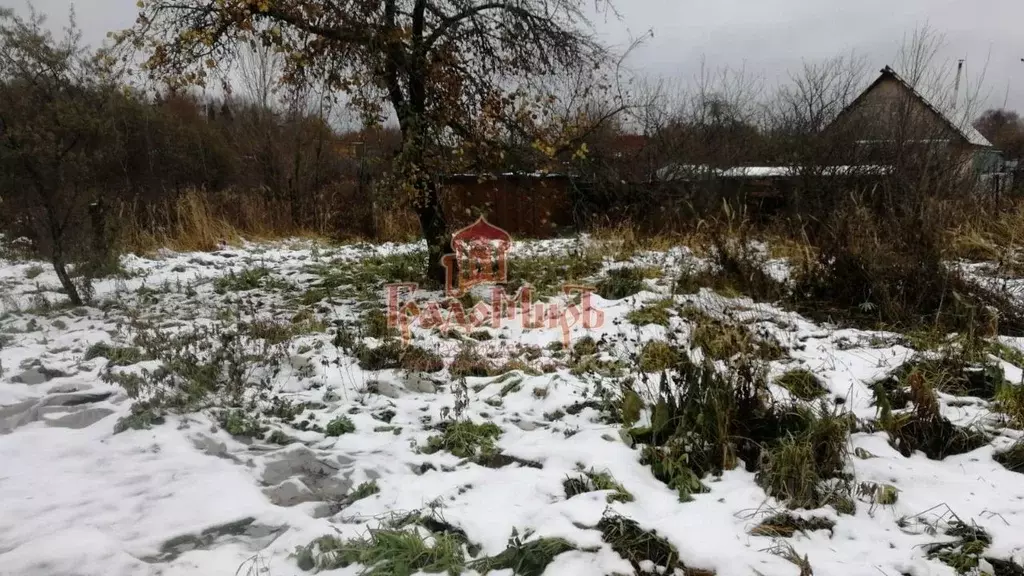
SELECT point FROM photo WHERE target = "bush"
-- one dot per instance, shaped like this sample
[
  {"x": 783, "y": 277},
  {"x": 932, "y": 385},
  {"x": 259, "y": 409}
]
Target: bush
[
  {"x": 885, "y": 267},
  {"x": 207, "y": 366},
  {"x": 238, "y": 423},
  {"x": 1010, "y": 401},
  {"x": 704, "y": 421},
  {"x": 375, "y": 324}
]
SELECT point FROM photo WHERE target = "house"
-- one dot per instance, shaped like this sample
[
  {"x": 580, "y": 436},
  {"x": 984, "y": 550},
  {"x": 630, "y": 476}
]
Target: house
[{"x": 891, "y": 119}]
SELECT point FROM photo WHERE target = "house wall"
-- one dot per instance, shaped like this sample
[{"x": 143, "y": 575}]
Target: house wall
[{"x": 891, "y": 112}]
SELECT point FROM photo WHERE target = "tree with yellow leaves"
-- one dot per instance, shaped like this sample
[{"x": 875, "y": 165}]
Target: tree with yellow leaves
[{"x": 456, "y": 75}]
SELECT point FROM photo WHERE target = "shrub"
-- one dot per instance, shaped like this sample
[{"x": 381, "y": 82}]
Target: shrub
[
  {"x": 209, "y": 365},
  {"x": 238, "y": 423},
  {"x": 584, "y": 346},
  {"x": 1010, "y": 401},
  {"x": 273, "y": 332},
  {"x": 375, "y": 324},
  {"x": 705, "y": 421},
  {"x": 885, "y": 266}
]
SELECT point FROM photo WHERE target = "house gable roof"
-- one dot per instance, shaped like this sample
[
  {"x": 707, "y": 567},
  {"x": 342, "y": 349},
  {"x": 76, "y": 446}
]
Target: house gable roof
[{"x": 968, "y": 133}]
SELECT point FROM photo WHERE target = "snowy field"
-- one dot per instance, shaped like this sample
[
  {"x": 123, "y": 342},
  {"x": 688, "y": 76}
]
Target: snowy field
[{"x": 330, "y": 436}]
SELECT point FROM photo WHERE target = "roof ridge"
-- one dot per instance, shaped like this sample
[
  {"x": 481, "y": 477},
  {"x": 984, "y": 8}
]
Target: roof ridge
[{"x": 969, "y": 133}]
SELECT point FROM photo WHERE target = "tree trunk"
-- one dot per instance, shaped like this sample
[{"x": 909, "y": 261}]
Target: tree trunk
[
  {"x": 65, "y": 281},
  {"x": 435, "y": 232}
]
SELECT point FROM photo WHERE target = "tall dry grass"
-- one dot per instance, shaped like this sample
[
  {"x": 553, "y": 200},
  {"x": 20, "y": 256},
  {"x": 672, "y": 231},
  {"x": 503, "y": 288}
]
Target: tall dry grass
[
  {"x": 201, "y": 221},
  {"x": 990, "y": 235}
]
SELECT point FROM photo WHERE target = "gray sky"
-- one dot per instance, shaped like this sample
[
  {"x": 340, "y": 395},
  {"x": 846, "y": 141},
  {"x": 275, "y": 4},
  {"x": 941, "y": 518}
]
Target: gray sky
[{"x": 768, "y": 37}]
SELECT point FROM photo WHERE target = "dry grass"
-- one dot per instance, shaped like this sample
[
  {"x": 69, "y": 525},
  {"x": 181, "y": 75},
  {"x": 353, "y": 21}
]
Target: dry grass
[
  {"x": 623, "y": 240},
  {"x": 989, "y": 236},
  {"x": 200, "y": 221}
]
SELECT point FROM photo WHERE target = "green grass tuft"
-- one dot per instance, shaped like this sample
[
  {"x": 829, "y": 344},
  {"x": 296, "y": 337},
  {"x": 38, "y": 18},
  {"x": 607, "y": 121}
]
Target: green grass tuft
[
  {"x": 591, "y": 480},
  {"x": 524, "y": 558},
  {"x": 115, "y": 355},
  {"x": 654, "y": 313},
  {"x": 803, "y": 384},
  {"x": 340, "y": 425},
  {"x": 638, "y": 546},
  {"x": 656, "y": 356},
  {"x": 244, "y": 281},
  {"x": 620, "y": 283},
  {"x": 465, "y": 439},
  {"x": 387, "y": 553},
  {"x": 785, "y": 525},
  {"x": 393, "y": 355}
]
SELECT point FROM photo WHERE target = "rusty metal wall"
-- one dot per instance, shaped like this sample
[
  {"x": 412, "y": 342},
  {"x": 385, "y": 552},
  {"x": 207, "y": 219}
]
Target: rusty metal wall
[{"x": 524, "y": 206}]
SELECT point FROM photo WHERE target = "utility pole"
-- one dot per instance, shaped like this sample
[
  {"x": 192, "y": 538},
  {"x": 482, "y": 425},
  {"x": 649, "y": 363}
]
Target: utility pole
[{"x": 956, "y": 83}]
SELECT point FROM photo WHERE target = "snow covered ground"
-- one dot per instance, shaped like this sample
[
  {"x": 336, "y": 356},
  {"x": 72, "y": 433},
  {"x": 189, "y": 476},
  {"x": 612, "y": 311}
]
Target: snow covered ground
[{"x": 187, "y": 497}]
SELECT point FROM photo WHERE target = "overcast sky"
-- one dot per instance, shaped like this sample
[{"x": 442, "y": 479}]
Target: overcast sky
[{"x": 768, "y": 37}]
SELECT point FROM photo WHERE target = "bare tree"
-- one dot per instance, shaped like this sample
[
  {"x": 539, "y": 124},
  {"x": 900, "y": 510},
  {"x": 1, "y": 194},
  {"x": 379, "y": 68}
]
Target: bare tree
[{"x": 260, "y": 68}]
